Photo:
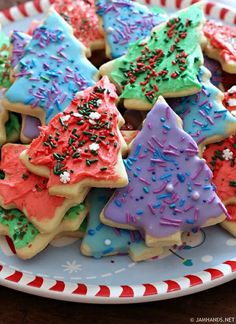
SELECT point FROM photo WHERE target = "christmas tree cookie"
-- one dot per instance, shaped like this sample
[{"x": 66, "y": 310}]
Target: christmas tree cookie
[
  {"x": 221, "y": 44},
  {"x": 81, "y": 147},
  {"x": 28, "y": 192},
  {"x": 29, "y": 129},
  {"x": 82, "y": 17},
  {"x": 18, "y": 41},
  {"x": 53, "y": 69},
  {"x": 4, "y": 61},
  {"x": 230, "y": 100},
  {"x": 170, "y": 189},
  {"x": 102, "y": 240},
  {"x": 220, "y": 157},
  {"x": 204, "y": 116},
  {"x": 216, "y": 72},
  {"x": 26, "y": 238},
  {"x": 124, "y": 22},
  {"x": 230, "y": 225},
  {"x": 159, "y": 64}
]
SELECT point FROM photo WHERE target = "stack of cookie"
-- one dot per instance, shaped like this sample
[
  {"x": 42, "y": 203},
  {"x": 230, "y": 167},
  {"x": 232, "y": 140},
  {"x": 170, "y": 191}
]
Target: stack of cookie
[{"x": 105, "y": 143}]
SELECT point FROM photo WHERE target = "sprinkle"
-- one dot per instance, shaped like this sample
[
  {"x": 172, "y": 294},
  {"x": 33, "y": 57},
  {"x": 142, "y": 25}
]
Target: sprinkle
[{"x": 65, "y": 177}]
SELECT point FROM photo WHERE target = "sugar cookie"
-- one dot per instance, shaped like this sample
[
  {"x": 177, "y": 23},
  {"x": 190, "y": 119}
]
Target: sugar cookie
[
  {"x": 27, "y": 192},
  {"x": 216, "y": 72},
  {"x": 4, "y": 61},
  {"x": 158, "y": 65},
  {"x": 221, "y": 44},
  {"x": 50, "y": 73},
  {"x": 81, "y": 147},
  {"x": 102, "y": 240},
  {"x": 27, "y": 240},
  {"x": 230, "y": 225},
  {"x": 124, "y": 22},
  {"x": 169, "y": 185},
  {"x": 203, "y": 114},
  {"x": 81, "y": 15}
]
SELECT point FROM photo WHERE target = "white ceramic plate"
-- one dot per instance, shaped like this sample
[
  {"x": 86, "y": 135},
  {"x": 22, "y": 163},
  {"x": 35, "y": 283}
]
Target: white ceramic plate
[{"x": 207, "y": 259}]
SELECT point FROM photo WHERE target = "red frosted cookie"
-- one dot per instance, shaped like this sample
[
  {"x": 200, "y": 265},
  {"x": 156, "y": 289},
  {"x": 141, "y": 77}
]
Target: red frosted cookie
[
  {"x": 28, "y": 192},
  {"x": 230, "y": 100},
  {"x": 230, "y": 225},
  {"x": 81, "y": 15},
  {"x": 82, "y": 146},
  {"x": 221, "y": 44},
  {"x": 220, "y": 158}
]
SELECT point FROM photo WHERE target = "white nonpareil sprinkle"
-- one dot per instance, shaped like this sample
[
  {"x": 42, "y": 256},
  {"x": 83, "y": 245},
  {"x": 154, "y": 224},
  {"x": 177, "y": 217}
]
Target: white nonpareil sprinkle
[
  {"x": 94, "y": 115},
  {"x": 65, "y": 177},
  {"x": 94, "y": 147},
  {"x": 227, "y": 154},
  {"x": 232, "y": 90},
  {"x": 231, "y": 102},
  {"x": 77, "y": 115},
  {"x": 65, "y": 118},
  {"x": 107, "y": 242}
]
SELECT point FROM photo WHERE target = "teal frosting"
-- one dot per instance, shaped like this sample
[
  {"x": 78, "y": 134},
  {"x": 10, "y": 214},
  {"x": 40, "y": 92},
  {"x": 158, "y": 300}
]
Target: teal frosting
[
  {"x": 101, "y": 239},
  {"x": 52, "y": 70},
  {"x": 125, "y": 22},
  {"x": 203, "y": 114}
]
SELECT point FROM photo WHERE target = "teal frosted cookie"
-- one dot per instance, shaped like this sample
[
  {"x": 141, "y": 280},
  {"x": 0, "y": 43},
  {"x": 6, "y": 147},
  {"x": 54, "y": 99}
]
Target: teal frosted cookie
[
  {"x": 27, "y": 240},
  {"x": 124, "y": 22},
  {"x": 102, "y": 240},
  {"x": 53, "y": 69},
  {"x": 204, "y": 116}
]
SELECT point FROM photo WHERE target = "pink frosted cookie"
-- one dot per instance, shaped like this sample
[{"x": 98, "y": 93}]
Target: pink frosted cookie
[
  {"x": 170, "y": 189},
  {"x": 28, "y": 192},
  {"x": 81, "y": 147},
  {"x": 81, "y": 15}
]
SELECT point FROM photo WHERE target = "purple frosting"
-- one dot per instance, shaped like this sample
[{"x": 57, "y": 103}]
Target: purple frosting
[
  {"x": 31, "y": 127},
  {"x": 169, "y": 186},
  {"x": 18, "y": 40}
]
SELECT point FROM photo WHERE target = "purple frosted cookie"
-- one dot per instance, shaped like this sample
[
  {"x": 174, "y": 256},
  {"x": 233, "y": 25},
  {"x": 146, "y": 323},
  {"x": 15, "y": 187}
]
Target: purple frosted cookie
[{"x": 170, "y": 189}]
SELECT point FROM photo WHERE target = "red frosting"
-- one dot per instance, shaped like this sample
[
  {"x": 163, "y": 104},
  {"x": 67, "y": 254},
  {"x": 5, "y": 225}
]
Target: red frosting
[
  {"x": 220, "y": 158},
  {"x": 230, "y": 99},
  {"x": 23, "y": 189},
  {"x": 83, "y": 141},
  {"x": 81, "y": 15},
  {"x": 222, "y": 38},
  {"x": 232, "y": 212}
]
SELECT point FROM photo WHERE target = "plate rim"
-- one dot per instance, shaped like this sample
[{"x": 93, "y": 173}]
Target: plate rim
[{"x": 143, "y": 292}]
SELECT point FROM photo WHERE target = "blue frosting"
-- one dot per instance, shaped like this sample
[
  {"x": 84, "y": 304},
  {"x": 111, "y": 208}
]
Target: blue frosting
[
  {"x": 203, "y": 114},
  {"x": 125, "y": 22},
  {"x": 103, "y": 240},
  {"x": 52, "y": 70}
]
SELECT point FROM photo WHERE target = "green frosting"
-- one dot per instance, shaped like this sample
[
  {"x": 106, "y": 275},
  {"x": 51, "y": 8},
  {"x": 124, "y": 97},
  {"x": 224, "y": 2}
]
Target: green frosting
[
  {"x": 73, "y": 212},
  {"x": 12, "y": 127},
  {"x": 22, "y": 232},
  {"x": 167, "y": 62},
  {"x": 4, "y": 61}
]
